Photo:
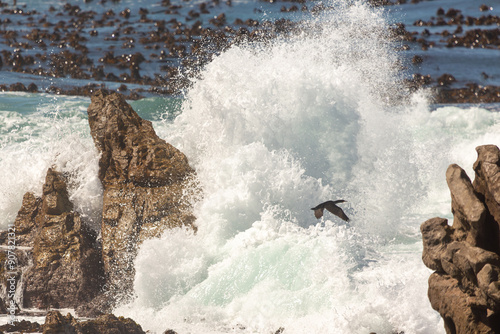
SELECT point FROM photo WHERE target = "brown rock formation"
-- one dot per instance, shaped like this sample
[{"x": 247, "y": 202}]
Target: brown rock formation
[
  {"x": 25, "y": 220},
  {"x": 22, "y": 326},
  {"x": 487, "y": 167},
  {"x": 465, "y": 287},
  {"x": 144, "y": 180},
  {"x": 56, "y": 323},
  {"x": 66, "y": 267}
]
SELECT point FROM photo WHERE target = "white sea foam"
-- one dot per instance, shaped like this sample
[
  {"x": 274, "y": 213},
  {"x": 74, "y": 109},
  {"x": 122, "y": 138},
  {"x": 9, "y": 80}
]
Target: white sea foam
[
  {"x": 40, "y": 131},
  {"x": 274, "y": 130}
]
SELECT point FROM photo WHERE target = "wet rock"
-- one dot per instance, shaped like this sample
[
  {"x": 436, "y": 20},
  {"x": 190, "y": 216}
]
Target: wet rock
[
  {"x": 25, "y": 224},
  {"x": 484, "y": 8},
  {"x": 487, "y": 183},
  {"x": 17, "y": 87},
  {"x": 446, "y": 79},
  {"x": 465, "y": 287},
  {"x": 418, "y": 80},
  {"x": 66, "y": 270},
  {"x": 144, "y": 180},
  {"x": 417, "y": 59},
  {"x": 22, "y": 326},
  {"x": 477, "y": 38},
  {"x": 32, "y": 88},
  {"x": 56, "y": 323},
  {"x": 473, "y": 93}
]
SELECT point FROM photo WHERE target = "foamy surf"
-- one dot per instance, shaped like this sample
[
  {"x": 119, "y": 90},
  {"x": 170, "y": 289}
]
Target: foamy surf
[{"x": 272, "y": 131}]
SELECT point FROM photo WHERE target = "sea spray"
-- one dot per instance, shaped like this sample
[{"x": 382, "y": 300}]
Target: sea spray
[
  {"x": 38, "y": 131},
  {"x": 272, "y": 131}
]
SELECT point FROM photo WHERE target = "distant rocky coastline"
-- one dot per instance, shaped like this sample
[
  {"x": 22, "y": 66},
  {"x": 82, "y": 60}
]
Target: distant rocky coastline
[
  {"x": 175, "y": 51},
  {"x": 56, "y": 260},
  {"x": 465, "y": 257}
]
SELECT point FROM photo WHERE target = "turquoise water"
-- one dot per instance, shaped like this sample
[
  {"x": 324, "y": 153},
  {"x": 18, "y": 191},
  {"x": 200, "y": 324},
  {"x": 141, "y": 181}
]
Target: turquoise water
[{"x": 272, "y": 131}]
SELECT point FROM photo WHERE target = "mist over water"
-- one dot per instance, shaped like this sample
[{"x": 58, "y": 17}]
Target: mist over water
[{"x": 272, "y": 130}]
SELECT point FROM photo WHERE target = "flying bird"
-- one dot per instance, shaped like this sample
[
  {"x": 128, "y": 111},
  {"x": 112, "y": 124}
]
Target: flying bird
[{"x": 330, "y": 206}]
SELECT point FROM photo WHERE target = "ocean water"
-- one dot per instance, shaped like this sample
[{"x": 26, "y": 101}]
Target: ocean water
[{"x": 272, "y": 130}]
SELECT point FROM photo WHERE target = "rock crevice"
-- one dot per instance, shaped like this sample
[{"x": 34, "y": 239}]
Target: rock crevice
[{"x": 465, "y": 287}]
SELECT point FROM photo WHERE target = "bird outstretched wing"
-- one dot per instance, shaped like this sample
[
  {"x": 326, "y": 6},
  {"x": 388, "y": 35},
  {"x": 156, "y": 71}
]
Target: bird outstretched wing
[
  {"x": 335, "y": 210},
  {"x": 318, "y": 213}
]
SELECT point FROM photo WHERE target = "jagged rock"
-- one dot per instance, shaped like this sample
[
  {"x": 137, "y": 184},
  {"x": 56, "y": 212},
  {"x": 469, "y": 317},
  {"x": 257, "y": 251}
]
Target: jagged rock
[
  {"x": 487, "y": 183},
  {"x": 144, "y": 180},
  {"x": 25, "y": 220},
  {"x": 468, "y": 211},
  {"x": 67, "y": 269},
  {"x": 457, "y": 308},
  {"x": 109, "y": 324},
  {"x": 465, "y": 287},
  {"x": 56, "y": 323},
  {"x": 22, "y": 326}
]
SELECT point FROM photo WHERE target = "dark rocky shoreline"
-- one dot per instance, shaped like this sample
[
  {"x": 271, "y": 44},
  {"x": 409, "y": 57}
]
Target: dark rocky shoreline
[{"x": 172, "y": 50}]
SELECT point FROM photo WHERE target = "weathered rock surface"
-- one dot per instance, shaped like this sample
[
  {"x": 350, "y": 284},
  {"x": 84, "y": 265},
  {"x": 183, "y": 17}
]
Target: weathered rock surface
[
  {"x": 67, "y": 268},
  {"x": 465, "y": 287},
  {"x": 144, "y": 180},
  {"x": 487, "y": 184},
  {"x": 56, "y": 323},
  {"x": 22, "y": 326},
  {"x": 25, "y": 221}
]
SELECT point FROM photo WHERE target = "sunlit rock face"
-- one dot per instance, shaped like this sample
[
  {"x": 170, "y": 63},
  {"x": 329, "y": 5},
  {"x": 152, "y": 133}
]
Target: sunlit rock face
[
  {"x": 145, "y": 183},
  {"x": 465, "y": 287},
  {"x": 66, "y": 268}
]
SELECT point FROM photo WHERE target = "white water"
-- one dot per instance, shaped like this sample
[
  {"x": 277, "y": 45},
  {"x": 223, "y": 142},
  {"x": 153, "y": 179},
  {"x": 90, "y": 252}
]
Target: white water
[{"x": 273, "y": 131}]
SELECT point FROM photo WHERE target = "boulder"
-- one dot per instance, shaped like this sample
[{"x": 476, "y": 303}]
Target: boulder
[
  {"x": 67, "y": 269},
  {"x": 56, "y": 323},
  {"x": 144, "y": 181},
  {"x": 465, "y": 287},
  {"x": 22, "y": 326}
]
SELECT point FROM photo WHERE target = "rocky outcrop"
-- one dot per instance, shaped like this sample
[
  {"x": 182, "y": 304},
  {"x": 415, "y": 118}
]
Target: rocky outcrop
[
  {"x": 56, "y": 323},
  {"x": 146, "y": 184},
  {"x": 465, "y": 287},
  {"x": 22, "y": 326},
  {"x": 66, "y": 269},
  {"x": 144, "y": 179},
  {"x": 25, "y": 221}
]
